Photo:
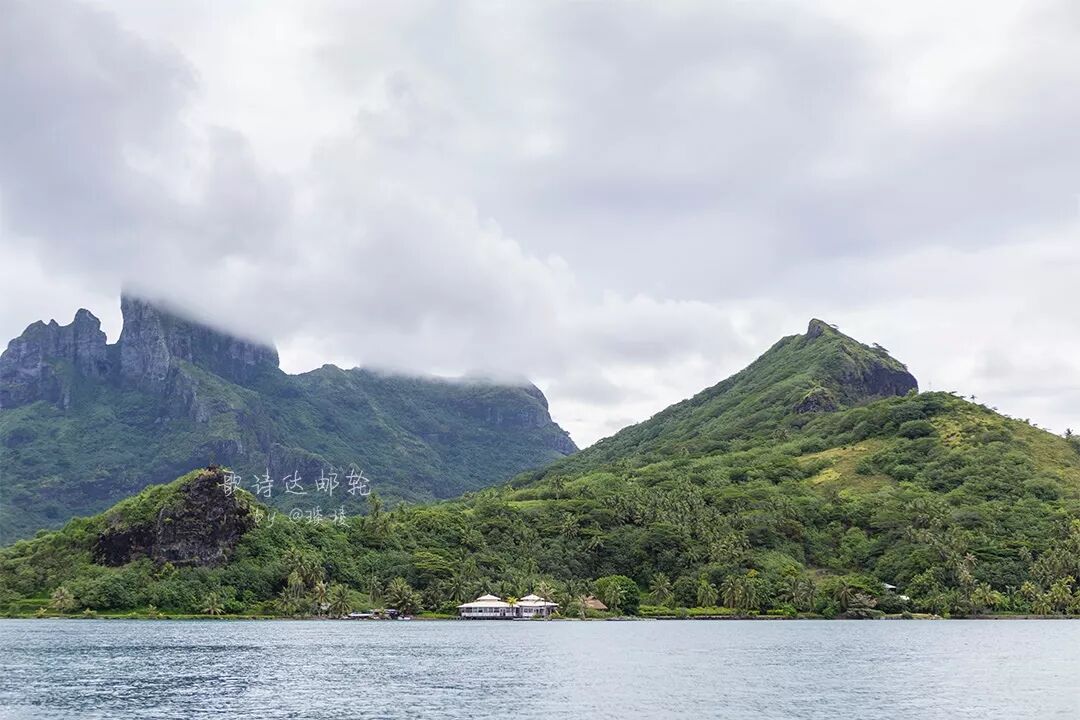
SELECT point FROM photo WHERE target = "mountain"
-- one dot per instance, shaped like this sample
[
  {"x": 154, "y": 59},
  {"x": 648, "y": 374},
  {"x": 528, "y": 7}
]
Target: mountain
[
  {"x": 84, "y": 423},
  {"x": 816, "y": 481}
]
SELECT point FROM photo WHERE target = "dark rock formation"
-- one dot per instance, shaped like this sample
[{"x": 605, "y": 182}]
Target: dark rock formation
[
  {"x": 41, "y": 363},
  {"x": 855, "y": 372},
  {"x": 44, "y": 362},
  {"x": 819, "y": 399},
  {"x": 153, "y": 341},
  {"x": 199, "y": 526}
]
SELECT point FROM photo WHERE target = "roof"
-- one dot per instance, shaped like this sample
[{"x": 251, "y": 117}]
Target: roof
[
  {"x": 485, "y": 601},
  {"x": 594, "y": 604},
  {"x": 536, "y": 601}
]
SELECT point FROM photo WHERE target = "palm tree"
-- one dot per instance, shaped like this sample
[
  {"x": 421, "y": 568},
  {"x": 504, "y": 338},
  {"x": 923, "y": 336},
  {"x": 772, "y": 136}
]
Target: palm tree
[
  {"x": 62, "y": 600},
  {"x": 401, "y": 596},
  {"x": 844, "y": 594},
  {"x": 291, "y": 599},
  {"x": 319, "y": 595},
  {"x": 660, "y": 590},
  {"x": 706, "y": 593},
  {"x": 582, "y": 606},
  {"x": 340, "y": 602},
  {"x": 751, "y": 591},
  {"x": 614, "y": 594},
  {"x": 545, "y": 590},
  {"x": 212, "y": 604},
  {"x": 374, "y": 586},
  {"x": 1060, "y": 594},
  {"x": 459, "y": 587},
  {"x": 304, "y": 565},
  {"x": 731, "y": 590}
]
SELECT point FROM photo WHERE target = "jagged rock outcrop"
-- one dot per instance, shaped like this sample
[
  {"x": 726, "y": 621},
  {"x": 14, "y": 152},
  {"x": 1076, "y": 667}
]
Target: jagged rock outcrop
[
  {"x": 819, "y": 399},
  {"x": 154, "y": 340},
  {"x": 857, "y": 373},
  {"x": 42, "y": 363},
  {"x": 199, "y": 525}
]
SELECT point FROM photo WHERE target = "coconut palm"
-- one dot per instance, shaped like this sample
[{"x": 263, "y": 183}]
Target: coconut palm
[
  {"x": 545, "y": 590},
  {"x": 319, "y": 595},
  {"x": 1060, "y": 593},
  {"x": 660, "y": 590},
  {"x": 401, "y": 596},
  {"x": 459, "y": 587},
  {"x": 291, "y": 598},
  {"x": 582, "y": 606},
  {"x": 731, "y": 591},
  {"x": 614, "y": 594},
  {"x": 844, "y": 594},
  {"x": 62, "y": 600},
  {"x": 212, "y": 604},
  {"x": 706, "y": 593},
  {"x": 340, "y": 600}
]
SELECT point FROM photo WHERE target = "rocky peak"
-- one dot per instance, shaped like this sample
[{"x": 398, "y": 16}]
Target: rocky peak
[
  {"x": 817, "y": 328},
  {"x": 196, "y": 524},
  {"x": 154, "y": 339},
  {"x": 848, "y": 371},
  {"x": 41, "y": 363}
]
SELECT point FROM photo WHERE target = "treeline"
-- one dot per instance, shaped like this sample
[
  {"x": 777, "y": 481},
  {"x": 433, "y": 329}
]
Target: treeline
[{"x": 921, "y": 504}]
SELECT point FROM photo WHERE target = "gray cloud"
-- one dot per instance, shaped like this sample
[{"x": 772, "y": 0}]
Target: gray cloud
[{"x": 625, "y": 203}]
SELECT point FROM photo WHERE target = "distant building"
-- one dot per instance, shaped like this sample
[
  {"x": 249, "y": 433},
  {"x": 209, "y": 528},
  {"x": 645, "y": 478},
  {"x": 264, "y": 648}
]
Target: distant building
[
  {"x": 534, "y": 606},
  {"x": 592, "y": 603},
  {"x": 489, "y": 607}
]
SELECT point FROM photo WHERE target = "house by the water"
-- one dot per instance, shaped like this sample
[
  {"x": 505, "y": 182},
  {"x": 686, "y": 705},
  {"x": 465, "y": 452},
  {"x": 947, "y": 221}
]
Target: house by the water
[{"x": 489, "y": 607}]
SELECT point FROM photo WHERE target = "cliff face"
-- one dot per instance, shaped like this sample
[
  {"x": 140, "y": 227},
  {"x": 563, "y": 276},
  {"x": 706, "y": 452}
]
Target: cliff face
[
  {"x": 153, "y": 341},
  {"x": 856, "y": 373},
  {"x": 41, "y": 363},
  {"x": 199, "y": 525}
]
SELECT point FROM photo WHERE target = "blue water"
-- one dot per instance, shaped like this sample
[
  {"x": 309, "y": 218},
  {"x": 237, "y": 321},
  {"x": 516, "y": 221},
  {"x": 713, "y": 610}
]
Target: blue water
[{"x": 724, "y": 669}]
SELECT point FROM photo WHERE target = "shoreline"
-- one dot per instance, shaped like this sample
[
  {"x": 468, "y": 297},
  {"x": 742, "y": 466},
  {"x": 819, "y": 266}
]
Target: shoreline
[{"x": 624, "y": 618}]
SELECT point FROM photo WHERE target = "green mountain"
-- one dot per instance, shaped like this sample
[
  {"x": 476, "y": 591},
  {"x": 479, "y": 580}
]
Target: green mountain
[
  {"x": 818, "y": 480},
  {"x": 84, "y": 423}
]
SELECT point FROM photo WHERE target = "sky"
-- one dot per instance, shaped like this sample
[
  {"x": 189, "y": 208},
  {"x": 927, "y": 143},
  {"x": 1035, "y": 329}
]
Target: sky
[{"x": 623, "y": 202}]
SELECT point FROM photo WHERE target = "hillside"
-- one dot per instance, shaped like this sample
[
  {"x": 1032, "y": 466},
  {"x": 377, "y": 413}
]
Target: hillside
[
  {"x": 815, "y": 481},
  {"x": 83, "y": 423}
]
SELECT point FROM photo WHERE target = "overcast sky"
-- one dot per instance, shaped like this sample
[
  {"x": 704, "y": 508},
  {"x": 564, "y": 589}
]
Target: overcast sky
[{"x": 624, "y": 202}]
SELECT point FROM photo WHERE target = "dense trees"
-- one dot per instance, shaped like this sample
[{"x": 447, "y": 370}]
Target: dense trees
[{"x": 921, "y": 503}]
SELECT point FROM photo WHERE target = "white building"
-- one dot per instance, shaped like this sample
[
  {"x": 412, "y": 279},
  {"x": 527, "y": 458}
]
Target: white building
[{"x": 489, "y": 607}]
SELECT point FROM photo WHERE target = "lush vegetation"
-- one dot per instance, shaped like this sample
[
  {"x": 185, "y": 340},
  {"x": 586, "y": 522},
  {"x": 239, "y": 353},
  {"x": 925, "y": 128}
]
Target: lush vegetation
[
  {"x": 416, "y": 439},
  {"x": 743, "y": 500}
]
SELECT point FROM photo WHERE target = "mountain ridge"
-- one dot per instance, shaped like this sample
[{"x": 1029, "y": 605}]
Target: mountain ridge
[
  {"x": 84, "y": 422},
  {"x": 821, "y": 370},
  {"x": 738, "y": 501}
]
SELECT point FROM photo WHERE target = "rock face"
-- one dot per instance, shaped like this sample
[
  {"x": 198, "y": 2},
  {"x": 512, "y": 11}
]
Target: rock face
[
  {"x": 42, "y": 363},
  {"x": 153, "y": 341},
  {"x": 817, "y": 400},
  {"x": 856, "y": 373},
  {"x": 200, "y": 526}
]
